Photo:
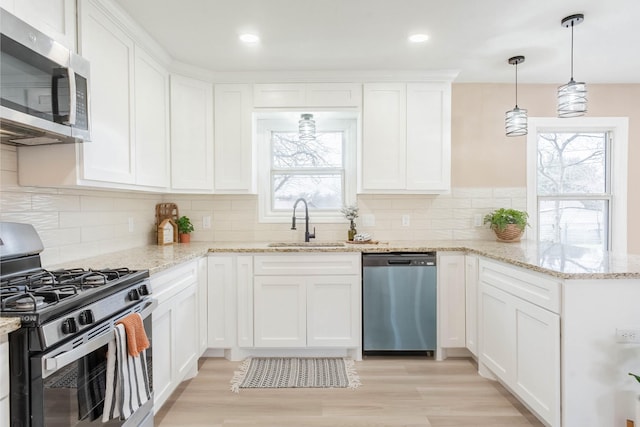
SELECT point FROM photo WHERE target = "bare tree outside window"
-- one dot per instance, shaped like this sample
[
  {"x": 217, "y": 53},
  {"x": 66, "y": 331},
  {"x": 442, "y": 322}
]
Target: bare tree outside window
[
  {"x": 310, "y": 169},
  {"x": 573, "y": 188}
]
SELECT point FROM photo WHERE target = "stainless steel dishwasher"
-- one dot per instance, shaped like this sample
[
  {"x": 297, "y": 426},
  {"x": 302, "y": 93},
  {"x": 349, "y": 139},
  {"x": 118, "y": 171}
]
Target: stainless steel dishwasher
[{"x": 399, "y": 302}]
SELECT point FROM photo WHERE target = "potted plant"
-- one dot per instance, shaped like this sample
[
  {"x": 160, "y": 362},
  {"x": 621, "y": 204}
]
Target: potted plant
[
  {"x": 184, "y": 228},
  {"x": 508, "y": 224}
]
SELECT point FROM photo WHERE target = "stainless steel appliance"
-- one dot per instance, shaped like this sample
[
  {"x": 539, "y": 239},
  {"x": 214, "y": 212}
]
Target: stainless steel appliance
[
  {"x": 58, "y": 358},
  {"x": 399, "y": 302},
  {"x": 44, "y": 88}
]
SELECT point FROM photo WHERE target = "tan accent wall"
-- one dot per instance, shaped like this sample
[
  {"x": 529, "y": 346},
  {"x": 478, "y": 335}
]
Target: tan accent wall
[{"x": 482, "y": 156}]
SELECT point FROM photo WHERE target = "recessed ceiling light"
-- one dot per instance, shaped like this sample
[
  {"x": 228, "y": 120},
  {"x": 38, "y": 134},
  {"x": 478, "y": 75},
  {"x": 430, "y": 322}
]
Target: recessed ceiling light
[
  {"x": 249, "y": 38},
  {"x": 418, "y": 38}
]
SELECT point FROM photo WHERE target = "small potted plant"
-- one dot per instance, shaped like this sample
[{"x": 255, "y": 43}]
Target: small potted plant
[
  {"x": 508, "y": 224},
  {"x": 184, "y": 228}
]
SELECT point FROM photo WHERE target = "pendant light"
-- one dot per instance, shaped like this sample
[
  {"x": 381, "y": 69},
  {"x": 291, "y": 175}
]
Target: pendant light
[
  {"x": 572, "y": 97},
  {"x": 307, "y": 128},
  {"x": 515, "y": 122}
]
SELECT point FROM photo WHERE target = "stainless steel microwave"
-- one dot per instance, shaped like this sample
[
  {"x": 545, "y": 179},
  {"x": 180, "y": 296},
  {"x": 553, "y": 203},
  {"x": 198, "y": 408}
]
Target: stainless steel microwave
[{"x": 44, "y": 88}]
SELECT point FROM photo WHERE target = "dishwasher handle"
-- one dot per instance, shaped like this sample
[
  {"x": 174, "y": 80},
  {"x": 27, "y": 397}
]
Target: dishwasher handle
[{"x": 399, "y": 261}]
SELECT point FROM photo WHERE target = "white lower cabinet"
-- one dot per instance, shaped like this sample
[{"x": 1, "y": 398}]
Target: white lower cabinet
[
  {"x": 175, "y": 329},
  {"x": 451, "y": 300},
  {"x": 203, "y": 302},
  {"x": 471, "y": 302},
  {"x": 307, "y": 301},
  {"x": 4, "y": 380},
  {"x": 229, "y": 279},
  {"x": 280, "y": 314},
  {"x": 519, "y": 341}
]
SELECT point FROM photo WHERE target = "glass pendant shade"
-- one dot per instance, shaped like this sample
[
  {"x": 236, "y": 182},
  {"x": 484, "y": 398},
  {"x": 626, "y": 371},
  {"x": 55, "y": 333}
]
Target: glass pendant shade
[
  {"x": 572, "y": 99},
  {"x": 307, "y": 128},
  {"x": 515, "y": 122}
]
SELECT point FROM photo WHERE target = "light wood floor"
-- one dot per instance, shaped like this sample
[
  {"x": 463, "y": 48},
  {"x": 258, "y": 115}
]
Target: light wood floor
[{"x": 394, "y": 392}]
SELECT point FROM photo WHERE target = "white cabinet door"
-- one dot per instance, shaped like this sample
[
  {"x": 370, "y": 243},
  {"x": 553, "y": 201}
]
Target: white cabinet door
[
  {"x": 280, "y": 315},
  {"x": 234, "y": 154},
  {"x": 203, "y": 303},
  {"x": 384, "y": 136},
  {"x": 324, "y": 95},
  {"x": 279, "y": 95},
  {"x": 221, "y": 298},
  {"x": 163, "y": 357},
  {"x": 56, "y": 18},
  {"x": 495, "y": 335},
  {"x": 471, "y": 302},
  {"x": 333, "y": 311},
  {"x": 186, "y": 331},
  {"x": 406, "y": 138},
  {"x": 451, "y": 300},
  {"x": 333, "y": 95},
  {"x": 151, "y": 84},
  {"x": 537, "y": 354},
  {"x": 191, "y": 134},
  {"x": 110, "y": 155},
  {"x": 429, "y": 136},
  {"x": 244, "y": 285}
]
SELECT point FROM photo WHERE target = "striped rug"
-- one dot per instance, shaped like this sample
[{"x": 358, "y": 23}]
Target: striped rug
[{"x": 293, "y": 372}]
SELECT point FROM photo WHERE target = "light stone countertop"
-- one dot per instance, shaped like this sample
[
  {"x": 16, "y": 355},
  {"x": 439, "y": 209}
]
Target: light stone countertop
[
  {"x": 9, "y": 324},
  {"x": 565, "y": 262}
]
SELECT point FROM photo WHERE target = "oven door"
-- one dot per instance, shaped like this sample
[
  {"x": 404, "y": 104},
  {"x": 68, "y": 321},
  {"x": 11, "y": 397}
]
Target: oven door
[{"x": 68, "y": 383}]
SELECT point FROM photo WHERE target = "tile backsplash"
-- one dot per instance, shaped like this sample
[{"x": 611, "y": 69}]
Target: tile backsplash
[{"x": 78, "y": 223}]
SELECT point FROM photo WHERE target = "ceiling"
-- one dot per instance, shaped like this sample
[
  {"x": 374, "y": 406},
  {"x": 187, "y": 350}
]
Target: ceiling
[{"x": 474, "y": 37}]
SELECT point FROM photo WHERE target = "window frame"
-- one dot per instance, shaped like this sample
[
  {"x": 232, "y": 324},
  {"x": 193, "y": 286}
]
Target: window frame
[
  {"x": 265, "y": 123},
  {"x": 618, "y": 127}
]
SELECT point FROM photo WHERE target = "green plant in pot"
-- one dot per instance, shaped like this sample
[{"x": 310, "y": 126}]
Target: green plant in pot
[
  {"x": 508, "y": 224},
  {"x": 184, "y": 228}
]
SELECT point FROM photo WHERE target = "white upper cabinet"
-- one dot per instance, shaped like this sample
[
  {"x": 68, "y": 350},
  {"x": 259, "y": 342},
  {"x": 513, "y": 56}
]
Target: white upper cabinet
[
  {"x": 191, "y": 134},
  {"x": 384, "y": 136},
  {"x": 307, "y": 95},
  {"x": 406, "y": 141},
  {"x": 129, "y": 116},
  {"x": 234, "y": 153},
  {"x": 151, "y": 121},
  {"x": 56, "y": 18},
  {"x": 110, "y": 156}
]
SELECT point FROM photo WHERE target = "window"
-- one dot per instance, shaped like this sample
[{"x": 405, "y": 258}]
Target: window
[
  {"x": 577, "y": 181},
  {"x": 320, "y": 171}
]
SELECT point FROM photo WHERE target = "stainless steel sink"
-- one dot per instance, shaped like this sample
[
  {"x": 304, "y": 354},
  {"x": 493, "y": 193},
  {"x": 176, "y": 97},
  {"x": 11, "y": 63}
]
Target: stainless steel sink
[{"x": 305, "y": 244}]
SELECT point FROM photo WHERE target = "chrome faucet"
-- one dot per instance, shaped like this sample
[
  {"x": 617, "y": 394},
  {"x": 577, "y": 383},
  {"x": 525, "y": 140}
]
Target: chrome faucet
[{"x": 307, "y": 235}]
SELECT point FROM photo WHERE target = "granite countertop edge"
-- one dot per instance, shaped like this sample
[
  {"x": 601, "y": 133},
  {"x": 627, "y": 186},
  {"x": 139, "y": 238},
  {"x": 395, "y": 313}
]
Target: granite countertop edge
[
  {"x": 9, "y": 324},
  {"x": 526, "y": 254}
]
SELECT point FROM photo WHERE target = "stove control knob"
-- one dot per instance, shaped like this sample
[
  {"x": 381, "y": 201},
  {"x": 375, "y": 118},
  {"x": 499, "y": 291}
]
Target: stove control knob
[
  {"x": 86, "y": 317},
  {"x": 69, "y": 326},
  {"x": 143, "y": 290},
  {"x": 134, "y": 295}
]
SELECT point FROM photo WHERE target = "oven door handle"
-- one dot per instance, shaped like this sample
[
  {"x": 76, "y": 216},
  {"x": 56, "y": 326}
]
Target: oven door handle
[{"x": 52, "y": 364}]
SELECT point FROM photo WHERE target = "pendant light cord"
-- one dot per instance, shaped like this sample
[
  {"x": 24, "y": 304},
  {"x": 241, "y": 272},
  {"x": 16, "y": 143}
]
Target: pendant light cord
[
  {"x": 516, "y": 84},
  {"x": 571, "y": 50}
]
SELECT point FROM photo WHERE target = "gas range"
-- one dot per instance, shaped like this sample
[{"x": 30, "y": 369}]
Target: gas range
[
  {"x": 61, "y": 303},
  {"x": 58, "y": 357},
  {"x": 58, "y": 304}
]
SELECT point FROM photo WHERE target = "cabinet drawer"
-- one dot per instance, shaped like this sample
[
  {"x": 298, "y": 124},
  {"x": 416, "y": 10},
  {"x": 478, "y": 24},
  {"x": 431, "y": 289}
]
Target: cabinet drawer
[
  {"x": 287, "y": 264},
  {"x": 536, "y": 289},
  {"x": 170, "y": 282}
]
